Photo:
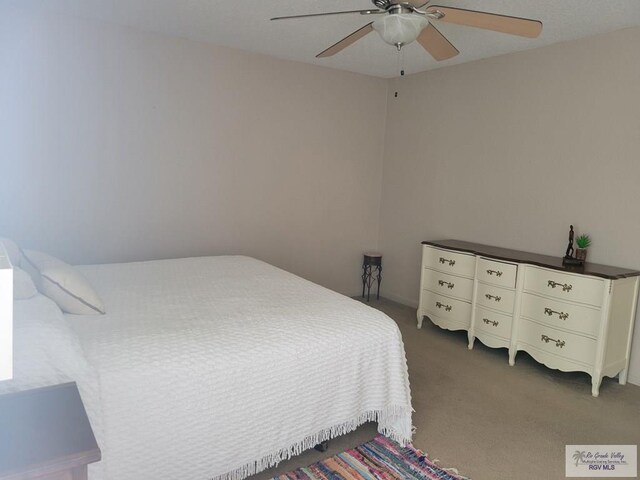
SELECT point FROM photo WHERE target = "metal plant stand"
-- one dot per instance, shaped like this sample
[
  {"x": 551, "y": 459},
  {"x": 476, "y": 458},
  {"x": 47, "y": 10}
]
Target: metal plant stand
[{"x": 371, "y": 272}]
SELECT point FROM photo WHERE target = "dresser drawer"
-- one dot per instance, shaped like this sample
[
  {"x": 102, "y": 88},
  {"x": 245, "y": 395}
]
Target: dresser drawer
[
  {"x": 449, "y": 262},
  {"x": 497, "y": 273},
  {"x": 548, "y": 339},
  {"x": 446, "y": 284},
  {"x": 447, "y": 323},
  {"x": 495, "y": 297},
  {"x": 564, "y": 286},
  {"x": 494, "y": 323},
  {"x": 446, "y": 308},
  {"x": 569, "y": 316}
]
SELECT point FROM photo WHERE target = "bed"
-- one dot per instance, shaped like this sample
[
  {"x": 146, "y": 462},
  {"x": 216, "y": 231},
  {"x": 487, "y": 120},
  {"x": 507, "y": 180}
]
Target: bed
[{"x": 216, "y": 367}]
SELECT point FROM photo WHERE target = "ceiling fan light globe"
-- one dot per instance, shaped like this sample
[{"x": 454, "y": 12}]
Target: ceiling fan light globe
[{"x": 400, "y": 28}]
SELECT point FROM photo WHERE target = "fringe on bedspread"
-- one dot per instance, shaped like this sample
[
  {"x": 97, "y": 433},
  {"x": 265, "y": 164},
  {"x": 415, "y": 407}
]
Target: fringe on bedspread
[{"x": 382, "y": 417}]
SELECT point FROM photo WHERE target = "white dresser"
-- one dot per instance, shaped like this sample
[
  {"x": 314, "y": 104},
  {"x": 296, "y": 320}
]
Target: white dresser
[{"x": 568, "y": 318}]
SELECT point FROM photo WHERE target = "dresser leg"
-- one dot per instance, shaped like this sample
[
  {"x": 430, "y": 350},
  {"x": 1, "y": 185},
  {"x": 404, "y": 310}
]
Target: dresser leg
[
  {"x": 512, "y": 356},
  {"x": 472, "y": 340},
  {"x": 622, "y": 377},
  {"x": 420, "y": 318},
  {"x": 595, "y": 384}
]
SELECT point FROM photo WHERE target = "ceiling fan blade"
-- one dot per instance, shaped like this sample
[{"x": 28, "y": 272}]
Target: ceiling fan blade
[
  {"x": 361, "y": 12},
  {"x": 346, "y": 41},
  {"x": 523, "y": 27},
  {"x": 436, "y": 44}
]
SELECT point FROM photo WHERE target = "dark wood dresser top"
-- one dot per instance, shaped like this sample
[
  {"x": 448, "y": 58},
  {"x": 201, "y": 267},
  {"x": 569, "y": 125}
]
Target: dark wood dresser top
[
  {"x": 44, "y": 430},
  {"x": 603, "y": 271}
]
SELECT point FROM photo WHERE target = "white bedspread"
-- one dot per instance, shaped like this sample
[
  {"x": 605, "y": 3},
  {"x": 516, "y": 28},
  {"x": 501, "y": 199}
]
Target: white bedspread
[{"x": 223, "y": 366}]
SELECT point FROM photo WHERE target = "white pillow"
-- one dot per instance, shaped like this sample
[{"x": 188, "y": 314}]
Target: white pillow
[
  {"x": 23, "y": 286},
  {"x": 46, "y": 349},
  {"x": 13, "y": 251},
  {"x": 63, "y": 284}
]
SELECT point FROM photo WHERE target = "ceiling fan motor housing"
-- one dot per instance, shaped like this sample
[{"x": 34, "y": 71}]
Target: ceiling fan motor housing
[{"x": 382, "y": 4}]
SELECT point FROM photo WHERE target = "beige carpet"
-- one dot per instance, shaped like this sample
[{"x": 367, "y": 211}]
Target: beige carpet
[{"x": 492, "y": 421}]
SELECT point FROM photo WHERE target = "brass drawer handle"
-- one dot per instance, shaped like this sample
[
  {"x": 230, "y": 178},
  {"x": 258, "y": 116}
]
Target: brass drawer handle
[
  {"x": 561, "y": 315},
  {"x": 495, "y": 323},
  {"x": 447, "y": 308},
  {"x": 566, "y": 287},
  {"x": 446, "y": 260},
  {"x": 496, "y": 298},
  {"x": 546, "y": 339},
  {"x": 497, "y": 272},
  {"x": 449, "y": 285}
]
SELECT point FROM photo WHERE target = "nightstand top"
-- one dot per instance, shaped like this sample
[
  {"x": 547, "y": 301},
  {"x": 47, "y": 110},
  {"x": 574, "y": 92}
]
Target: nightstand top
[{"x": 44, "y": 430}]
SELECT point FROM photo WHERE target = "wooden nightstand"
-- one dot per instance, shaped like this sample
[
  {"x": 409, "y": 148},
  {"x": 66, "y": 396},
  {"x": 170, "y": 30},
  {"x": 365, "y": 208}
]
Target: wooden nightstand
[{"x": 45, "y": 434}]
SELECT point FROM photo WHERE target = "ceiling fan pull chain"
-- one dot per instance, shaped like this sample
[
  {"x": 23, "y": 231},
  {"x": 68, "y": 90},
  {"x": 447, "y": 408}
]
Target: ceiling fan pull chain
[
  {"x": 399, "y": 66},
  {"x": 395, "y": 95}
]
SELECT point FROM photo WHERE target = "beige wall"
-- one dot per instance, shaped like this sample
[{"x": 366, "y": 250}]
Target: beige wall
[
  {"x": 120, "y": 145},
  {"x": 509, "y": 151}
]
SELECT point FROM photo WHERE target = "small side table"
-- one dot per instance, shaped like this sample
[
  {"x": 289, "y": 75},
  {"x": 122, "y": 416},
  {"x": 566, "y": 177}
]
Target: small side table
[
  {"x": 371, "y": 272},
  {"x": 45, "y": 434}
]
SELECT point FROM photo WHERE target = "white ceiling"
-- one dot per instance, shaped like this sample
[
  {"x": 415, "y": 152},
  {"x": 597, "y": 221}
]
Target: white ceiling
[{"x": 245, "y": 24}]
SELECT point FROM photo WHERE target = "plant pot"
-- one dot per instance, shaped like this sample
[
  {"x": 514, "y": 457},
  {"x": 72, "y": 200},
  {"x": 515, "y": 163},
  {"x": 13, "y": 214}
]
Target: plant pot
[{"x": 581, "y": 254}]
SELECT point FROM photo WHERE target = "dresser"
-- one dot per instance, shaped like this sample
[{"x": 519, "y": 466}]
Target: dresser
[{"x": 570, "y": 318}]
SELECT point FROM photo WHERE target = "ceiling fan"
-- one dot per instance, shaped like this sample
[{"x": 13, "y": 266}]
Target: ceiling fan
[{"x": 405, "y": 21}]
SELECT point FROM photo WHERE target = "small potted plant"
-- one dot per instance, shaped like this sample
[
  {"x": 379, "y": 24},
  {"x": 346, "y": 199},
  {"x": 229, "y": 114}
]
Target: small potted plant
[{"x": 583, "y": 241}]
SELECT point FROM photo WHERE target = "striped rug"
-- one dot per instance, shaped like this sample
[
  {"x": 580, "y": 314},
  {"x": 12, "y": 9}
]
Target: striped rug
[{"x": 379, "y": 459}]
